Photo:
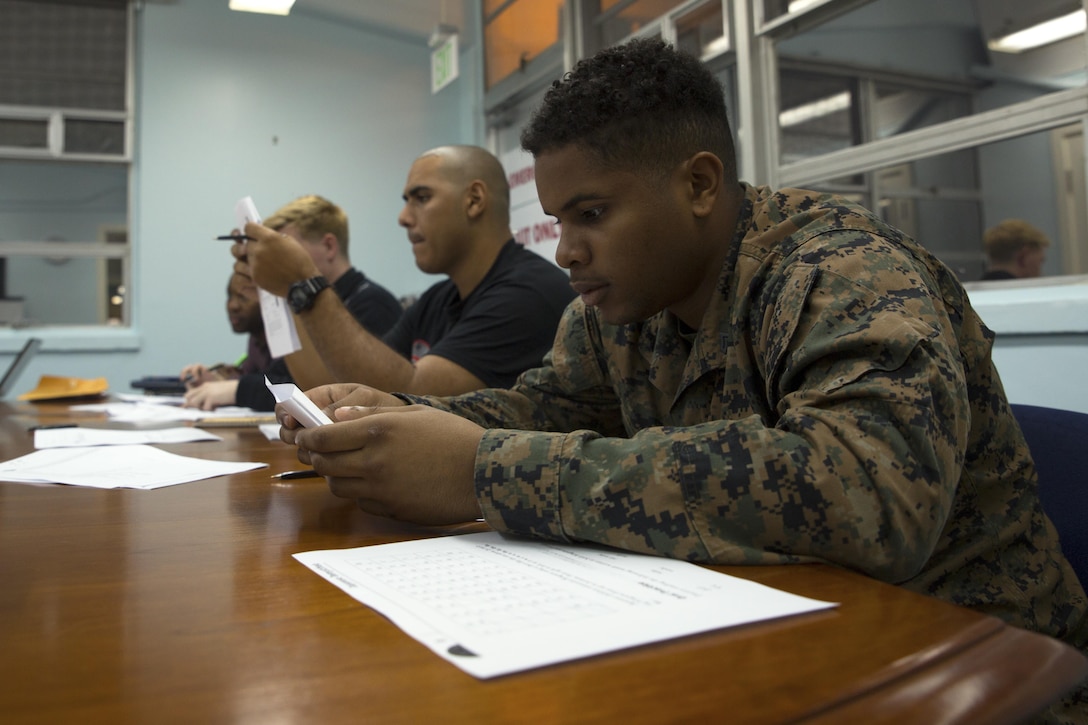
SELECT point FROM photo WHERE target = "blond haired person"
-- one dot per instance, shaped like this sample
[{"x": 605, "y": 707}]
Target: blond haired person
[
  {"x": 1014, "y": 250},
  {"x": 320, "y": 228}
]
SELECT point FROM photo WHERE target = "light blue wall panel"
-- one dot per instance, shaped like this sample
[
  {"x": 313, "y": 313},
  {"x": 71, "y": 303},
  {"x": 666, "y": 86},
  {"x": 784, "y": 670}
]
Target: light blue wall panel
[{"x": 232, "y": 104}]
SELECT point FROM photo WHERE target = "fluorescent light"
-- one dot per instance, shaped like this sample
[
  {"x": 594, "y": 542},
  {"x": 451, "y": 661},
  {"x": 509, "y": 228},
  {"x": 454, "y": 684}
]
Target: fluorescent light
[
  {"x": 815, "y": 109},
  {"x": 797, "y": 6},
  {"x": 1044, "y": 33},
  {"x": 272, "y": 7}
]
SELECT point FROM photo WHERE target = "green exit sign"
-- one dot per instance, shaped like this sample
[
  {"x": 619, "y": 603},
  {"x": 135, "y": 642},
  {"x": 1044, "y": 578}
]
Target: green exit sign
[{"x": 444, "y": 64}]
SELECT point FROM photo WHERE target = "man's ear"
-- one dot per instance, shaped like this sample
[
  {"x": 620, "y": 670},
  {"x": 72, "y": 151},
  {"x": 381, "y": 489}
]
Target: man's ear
[
  {"x": 475, "y": 199},
  {"x": 705, "y": 174},
  {"x": 330, "y": 245}
]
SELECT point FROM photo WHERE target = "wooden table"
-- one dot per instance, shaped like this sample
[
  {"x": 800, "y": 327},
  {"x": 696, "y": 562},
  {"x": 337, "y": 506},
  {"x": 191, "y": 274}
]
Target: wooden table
[{"x": 184, "y": 605}]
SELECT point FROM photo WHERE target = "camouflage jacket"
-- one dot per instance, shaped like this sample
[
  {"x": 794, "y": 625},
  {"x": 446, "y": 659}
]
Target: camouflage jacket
[{"x": 837, "y": 404}]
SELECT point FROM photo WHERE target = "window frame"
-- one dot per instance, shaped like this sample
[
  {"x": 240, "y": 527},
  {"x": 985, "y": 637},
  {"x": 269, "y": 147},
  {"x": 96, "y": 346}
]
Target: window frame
[
  {"x": 78, "y": 336},
  {"x": 753, "y": 56}
]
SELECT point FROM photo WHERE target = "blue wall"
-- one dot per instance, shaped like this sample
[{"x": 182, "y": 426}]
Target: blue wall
[{"x": 233, "y": 104}]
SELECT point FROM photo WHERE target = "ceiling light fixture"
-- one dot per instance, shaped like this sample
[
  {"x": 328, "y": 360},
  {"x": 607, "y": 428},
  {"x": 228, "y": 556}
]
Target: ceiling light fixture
[
  {"x": 796, "y": 6},
  {"x": 1044, "y": 33},
  {"x": 816, "y": 109},
  {"x": 270, "y": 7}
]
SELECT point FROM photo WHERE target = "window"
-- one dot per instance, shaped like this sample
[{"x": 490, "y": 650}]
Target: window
[
  {"x": 516, "y": 33},
  {"x": 898, "y": 108},
  {"x": 900, "y": 104},
  {"x": 702, "y": 31},
  {"x": 818, "y": 114},
  {"x": 65, "y": 120},
  {"x": 903, "y": 104},
  {"x": 828, "y": 108},
  {"x": 618, "y": 19}
]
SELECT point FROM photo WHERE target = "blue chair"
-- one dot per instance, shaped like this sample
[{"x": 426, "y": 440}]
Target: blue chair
[{"x": 1058, "y": 440}]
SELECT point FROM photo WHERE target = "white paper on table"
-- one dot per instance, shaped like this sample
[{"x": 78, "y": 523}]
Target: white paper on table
[
  {"x": 141, "y": 412},
  {"x": 279, "y": 326},
  {"x": 271, "y": 431},
  {"x": 135, "y": 466},
  {"x": 493, "y": 605},
  {"x": 80, "y": 437},
  {"x": 301, "y": 408},
  {"x": 151, "y": 399}
]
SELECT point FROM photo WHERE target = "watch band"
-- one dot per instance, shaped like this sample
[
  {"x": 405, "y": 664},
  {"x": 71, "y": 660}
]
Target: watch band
[{"x": 302, "y": 294}]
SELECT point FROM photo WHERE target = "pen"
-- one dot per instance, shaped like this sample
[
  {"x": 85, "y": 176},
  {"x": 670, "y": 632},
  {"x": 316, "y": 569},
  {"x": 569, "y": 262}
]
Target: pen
[
  {"x": 236, "y": 238},
  {"x": 292, "y": 475},
  {"x": 53, "y": 426}
]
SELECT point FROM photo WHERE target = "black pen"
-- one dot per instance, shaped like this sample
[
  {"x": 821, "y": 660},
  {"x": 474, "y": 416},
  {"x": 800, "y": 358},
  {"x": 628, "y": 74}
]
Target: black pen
[
  {"x": 292, "y": 475},
  {"x": 236, "y": 238},
  {"x": 53, "y": 426}
]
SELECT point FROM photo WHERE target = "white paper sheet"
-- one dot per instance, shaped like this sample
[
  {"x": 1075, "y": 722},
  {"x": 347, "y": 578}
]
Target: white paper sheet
[
  {"x": 493, "y": 605},
  {"x": 79, "y": 437},
  {"x": 301, "y": 408},
  {"x": 151, "y": 399},
  {"x": 279, "y": 326},
  {"x": 136, "y": 466},
  {"x": 141, "y": 412},
  {"x": 271, "y": 431}
]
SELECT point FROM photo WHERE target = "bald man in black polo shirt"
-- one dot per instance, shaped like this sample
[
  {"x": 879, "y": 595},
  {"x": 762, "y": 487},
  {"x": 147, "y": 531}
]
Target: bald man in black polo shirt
[{"x": 494, "y": 317}]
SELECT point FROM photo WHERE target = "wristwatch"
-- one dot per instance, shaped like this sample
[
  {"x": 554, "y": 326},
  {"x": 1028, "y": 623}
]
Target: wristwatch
[{"x": 302, "y": 294}]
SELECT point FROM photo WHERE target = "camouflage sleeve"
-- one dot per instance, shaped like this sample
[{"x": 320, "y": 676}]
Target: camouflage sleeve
[{"x": 856, "y": 463}]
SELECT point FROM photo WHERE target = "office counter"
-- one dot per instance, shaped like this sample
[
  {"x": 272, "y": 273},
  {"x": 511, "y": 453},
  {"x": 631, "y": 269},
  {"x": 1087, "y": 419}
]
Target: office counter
[{"x": 184, "y": 605}]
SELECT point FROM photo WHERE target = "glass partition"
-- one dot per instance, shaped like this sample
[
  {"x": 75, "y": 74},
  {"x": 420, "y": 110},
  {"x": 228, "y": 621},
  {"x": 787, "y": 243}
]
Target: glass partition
[
  {"x": 905, "y": 105},
  {"x": 818, "y": 114},
  {"x": 947, "y": 201},
  {"x": 516, "y": 33},
  {"x": 703, "y": 31},
  {"x": 910, "y": 106},
  {"x": 617, "y": 20},
  {"x": 898, "y": 108}
]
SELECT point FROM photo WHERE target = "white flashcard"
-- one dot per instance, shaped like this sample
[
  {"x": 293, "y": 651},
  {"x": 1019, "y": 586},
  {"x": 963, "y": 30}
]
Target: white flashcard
[
  {"x": 279, "y": 326},
  {"x": 301, "y": 408}
]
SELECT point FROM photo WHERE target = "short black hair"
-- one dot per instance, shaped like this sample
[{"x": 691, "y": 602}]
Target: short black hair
[{"x": 642, "y": 104}]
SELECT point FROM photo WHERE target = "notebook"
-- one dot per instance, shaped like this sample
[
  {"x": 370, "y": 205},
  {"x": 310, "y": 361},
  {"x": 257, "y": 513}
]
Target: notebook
[{"x": 30, "y": 349}]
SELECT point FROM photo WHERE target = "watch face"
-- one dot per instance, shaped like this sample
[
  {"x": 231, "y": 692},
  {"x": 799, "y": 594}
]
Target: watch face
[{"x": 299, "y": 297}]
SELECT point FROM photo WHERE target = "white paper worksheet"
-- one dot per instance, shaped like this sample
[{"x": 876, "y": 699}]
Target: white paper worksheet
[
  {"x": 493, "y": 605},
  {"x": 75, "y": 437},
  {"x": 140, "y": 412},
  {"x": 132, "y": 466}
]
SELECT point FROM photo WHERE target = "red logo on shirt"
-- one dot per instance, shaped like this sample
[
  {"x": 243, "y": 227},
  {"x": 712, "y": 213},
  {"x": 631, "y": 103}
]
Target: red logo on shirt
[{"x": 419, "y": 349}]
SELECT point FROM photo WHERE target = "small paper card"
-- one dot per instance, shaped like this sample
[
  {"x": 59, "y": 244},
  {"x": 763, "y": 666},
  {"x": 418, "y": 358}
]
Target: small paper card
[
  {"x": 279, "y": 326},
  {"x": 301, "y": 408}
]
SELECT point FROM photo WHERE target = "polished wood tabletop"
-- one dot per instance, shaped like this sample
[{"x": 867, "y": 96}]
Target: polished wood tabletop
[{"x": 184, "y": 605}]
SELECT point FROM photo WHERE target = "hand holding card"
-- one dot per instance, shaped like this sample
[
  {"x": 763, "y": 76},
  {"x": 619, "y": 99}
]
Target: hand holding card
[
  {"x": 297, "y": 404},
  {"x": 279, "y": 326}
]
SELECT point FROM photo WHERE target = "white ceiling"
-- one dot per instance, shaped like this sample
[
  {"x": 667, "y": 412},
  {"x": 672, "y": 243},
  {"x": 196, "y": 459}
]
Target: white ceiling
[{"x": 408, "y": 17}]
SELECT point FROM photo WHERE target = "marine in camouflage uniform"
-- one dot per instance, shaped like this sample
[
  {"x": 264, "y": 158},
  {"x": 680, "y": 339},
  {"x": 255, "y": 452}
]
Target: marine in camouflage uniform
[
  {"x": 749, "y": 377},
  {"x": 837, "y": 404}
]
